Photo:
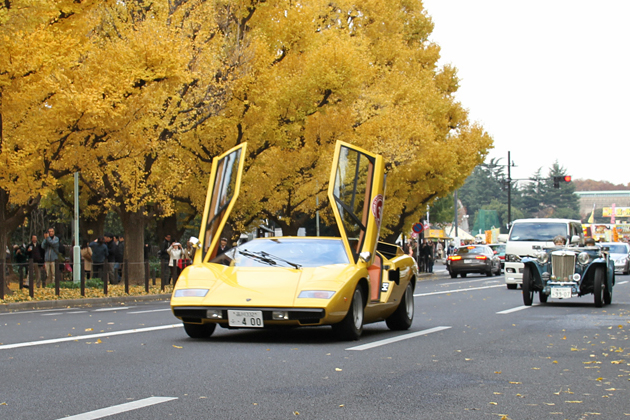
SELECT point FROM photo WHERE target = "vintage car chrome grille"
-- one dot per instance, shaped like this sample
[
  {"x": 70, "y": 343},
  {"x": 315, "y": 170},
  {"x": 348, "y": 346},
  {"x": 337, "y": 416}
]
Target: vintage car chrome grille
[{"x": 563, "y": 267}]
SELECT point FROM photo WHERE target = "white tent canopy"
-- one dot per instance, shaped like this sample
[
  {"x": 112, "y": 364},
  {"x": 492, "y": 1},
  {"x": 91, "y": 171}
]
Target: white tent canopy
[{"x": 461, "y": 233}]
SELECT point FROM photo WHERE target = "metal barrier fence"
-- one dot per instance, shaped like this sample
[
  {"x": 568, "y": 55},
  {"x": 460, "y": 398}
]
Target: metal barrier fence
[{"x": 32, "y": 271}]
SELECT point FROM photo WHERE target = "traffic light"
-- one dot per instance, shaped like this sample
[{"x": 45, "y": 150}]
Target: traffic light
[{"x": 558, "y": 179}]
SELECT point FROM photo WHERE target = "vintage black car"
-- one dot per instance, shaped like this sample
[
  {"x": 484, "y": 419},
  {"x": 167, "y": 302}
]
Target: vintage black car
[{"x": 566, "y": 272}]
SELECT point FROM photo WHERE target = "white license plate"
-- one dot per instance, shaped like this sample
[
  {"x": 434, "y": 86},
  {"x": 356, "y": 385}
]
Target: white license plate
[
  {"x": 469, "y": 261},
  {"x": 561, "y": 292},
  {"x": 246, "y": 319}
]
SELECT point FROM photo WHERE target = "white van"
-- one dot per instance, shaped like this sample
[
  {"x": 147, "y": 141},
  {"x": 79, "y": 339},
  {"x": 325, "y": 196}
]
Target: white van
[{"x": 526, "y": 234}]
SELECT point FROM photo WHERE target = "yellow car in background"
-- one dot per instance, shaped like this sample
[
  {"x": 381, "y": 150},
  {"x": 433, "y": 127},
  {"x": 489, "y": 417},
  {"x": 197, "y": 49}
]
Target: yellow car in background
[{"x": 345, "y": 282}]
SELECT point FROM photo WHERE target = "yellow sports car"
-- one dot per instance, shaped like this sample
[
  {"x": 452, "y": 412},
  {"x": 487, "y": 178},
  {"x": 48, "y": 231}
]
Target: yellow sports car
[{"x": 345, "y": 282}]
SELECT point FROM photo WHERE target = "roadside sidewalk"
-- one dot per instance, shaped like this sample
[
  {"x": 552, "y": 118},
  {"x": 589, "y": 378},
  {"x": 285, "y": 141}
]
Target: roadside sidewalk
[{"x": 77, "y": 303}]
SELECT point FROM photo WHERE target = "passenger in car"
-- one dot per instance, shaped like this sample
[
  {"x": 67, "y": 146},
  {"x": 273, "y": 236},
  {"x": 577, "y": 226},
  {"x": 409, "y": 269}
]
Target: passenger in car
[{"x": 559, "y": 240}]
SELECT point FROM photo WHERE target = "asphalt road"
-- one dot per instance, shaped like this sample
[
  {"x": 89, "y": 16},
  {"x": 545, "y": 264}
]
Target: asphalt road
[{"x": 473, "y": 352}]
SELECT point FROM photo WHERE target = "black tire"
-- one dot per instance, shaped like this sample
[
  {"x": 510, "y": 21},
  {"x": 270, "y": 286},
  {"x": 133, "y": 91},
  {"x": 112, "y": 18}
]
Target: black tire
[
  {"x": 351, "y": 327},
  {"x": 489, "y": 273},
  {"x": 528, "y": 286},
  {"x": 453, "y": 275},
  {"x": 542, "y": 297},
  {"x": 463, "y": 274},
  {"x": 512, "y": 286},
  {"x": 599, "y": 286},
  {"x": 199, "y": 330},
  {"x": 626, "y": 269},
  {"x": 402, "y": 318}
]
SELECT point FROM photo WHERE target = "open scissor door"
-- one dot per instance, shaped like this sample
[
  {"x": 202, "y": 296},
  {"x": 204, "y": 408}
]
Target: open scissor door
[
  {"x": 356, "y": 194},
  {"x": 225, "y": 184}
]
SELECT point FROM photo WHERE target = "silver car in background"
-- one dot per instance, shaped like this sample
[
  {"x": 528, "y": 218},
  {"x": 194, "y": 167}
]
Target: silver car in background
[{"x": 620, "y": 254}]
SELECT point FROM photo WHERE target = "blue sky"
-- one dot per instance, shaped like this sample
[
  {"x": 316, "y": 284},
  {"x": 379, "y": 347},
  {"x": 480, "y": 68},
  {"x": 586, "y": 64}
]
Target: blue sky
[{"x": 549, "y": 80}]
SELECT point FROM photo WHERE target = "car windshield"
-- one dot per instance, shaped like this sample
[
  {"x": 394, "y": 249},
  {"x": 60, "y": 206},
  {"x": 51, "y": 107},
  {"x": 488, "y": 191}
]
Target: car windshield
[
  {"x": 470, "y": 250},
  {"x": 617, "y": 249},
  {"x": 538, "y": 232},
  {"x": 289, "y": 252},
  {"x": 498, "y": 248}
]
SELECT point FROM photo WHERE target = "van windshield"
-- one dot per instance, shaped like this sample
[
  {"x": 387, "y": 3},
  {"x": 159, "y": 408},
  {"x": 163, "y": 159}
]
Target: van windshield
[{"x": 537, "y": 232}]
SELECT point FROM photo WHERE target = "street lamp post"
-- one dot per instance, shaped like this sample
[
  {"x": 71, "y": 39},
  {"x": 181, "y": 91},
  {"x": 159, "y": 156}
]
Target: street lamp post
[{"x": 509, "y": 192}]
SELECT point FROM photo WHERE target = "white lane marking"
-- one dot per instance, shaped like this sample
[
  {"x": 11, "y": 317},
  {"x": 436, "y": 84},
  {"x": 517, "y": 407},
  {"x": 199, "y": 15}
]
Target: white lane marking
[
  {"x": 55, "y": 313},
  {"x": 121, "y": 408},
  {"x": 518, "y": 308},
  {"x": 87, "y": 337},
  {"x": 153, "y": 310},
  {"x": 112, "y": 309},
  {"x": 35, "y": 312},
  {"x": 623, "y": 282},
  {"x": 395, "y": 339},
  {"x": 458, "y": 290},
  {"x": 77, "y": 312}
]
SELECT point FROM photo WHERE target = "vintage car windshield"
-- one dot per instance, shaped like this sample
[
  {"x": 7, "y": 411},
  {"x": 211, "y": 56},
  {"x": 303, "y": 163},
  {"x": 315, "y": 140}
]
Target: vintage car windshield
[
  {"x": 470, "y": 250},
  {"x": 289, "y": 252},
  {"x": 617, "y": 249},
  {"x": 538, "y": 232}
]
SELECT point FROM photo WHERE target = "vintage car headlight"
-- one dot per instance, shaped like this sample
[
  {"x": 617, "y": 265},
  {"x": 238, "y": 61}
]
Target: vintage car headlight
[
  {"x": 191, "y": 293},
  {"x": 583, "y": 257},
  {"x": 512, "y": 258},
  {"x": 316, "y": 294},
  {"x": 542, "y": 257}
]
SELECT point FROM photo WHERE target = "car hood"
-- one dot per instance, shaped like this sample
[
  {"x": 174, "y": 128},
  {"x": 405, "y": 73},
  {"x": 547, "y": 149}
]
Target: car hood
[
  {"x": 261, "y": 286},
  {"x": 618, "y": 257}
]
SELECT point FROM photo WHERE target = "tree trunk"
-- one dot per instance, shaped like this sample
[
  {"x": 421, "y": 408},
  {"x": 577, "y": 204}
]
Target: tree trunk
[
  {"x": 95, "y": 225},
  {"x": 133, "y": 224}
]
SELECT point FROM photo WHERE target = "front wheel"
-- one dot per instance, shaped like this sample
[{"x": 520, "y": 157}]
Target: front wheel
[
  {"x": 402, "y": 317},
  {"x": 542, "y": 296},
  {"x": 528, "y": 286},
  {"x": 199, "y": 330},
  {"x": 599, "y": 286},
  {"x": 512, "y": 286},
  {"x": 351, "y": 327},
  {"x": 463, "y": 275}
]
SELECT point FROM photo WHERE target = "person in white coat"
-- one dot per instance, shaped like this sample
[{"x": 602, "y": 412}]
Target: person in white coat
[{"x": 175, "y": 253}]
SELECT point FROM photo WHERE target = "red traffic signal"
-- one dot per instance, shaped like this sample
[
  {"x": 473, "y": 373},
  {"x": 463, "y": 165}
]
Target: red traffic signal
[{"x": 558, "y": 179}]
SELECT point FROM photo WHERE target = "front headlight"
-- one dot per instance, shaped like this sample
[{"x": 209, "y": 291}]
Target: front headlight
[
  {"x": 542, "y": 257},
  {"x": 622, "y": 261},
  {"x": 583, "y": 258},
  {"x": 316, "y": 294},
  {"x": 190, "y": 293}
]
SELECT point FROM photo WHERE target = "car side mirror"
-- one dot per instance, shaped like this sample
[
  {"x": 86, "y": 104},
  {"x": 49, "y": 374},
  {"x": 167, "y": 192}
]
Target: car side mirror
[
  {"x": 575, "y": 239},
  {"x": 365, "y": 256},
  {"x": 194, "y": 241}
]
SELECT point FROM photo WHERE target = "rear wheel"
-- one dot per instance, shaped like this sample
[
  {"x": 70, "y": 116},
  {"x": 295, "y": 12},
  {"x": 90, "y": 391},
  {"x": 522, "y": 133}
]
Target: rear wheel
[
  {"x": 199, "y": 330},
  {"x": 512, "y": 286},
  {"x": 528, "y": 286},
  {"x": 464, "y": 274},
  {"x": 453, "y": 275},
  {"x": 351, "y": 327},
  {"x": 599, "y": 286},
  {"x": 402, "y": 318}
]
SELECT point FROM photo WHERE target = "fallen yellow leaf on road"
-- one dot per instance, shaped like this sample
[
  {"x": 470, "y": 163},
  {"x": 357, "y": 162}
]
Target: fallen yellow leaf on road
[
  {"x": 89, "y": 329},
  {"x": 517, "y": 383},
  {"x": 492, "y": 403},
  {"x": 177, "y": 347},
  {"x": 338, "y": 370},
  {"x": 573, "y": 402}
]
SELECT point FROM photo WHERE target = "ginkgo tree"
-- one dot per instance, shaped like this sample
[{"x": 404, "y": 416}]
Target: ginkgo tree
[{"x": 34, "y": 42}]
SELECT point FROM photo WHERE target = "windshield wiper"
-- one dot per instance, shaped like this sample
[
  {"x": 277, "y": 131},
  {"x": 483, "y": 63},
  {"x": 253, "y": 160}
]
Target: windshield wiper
[
  {"x": 257, "y": 257},
  {"x": 267, "y": 255}
]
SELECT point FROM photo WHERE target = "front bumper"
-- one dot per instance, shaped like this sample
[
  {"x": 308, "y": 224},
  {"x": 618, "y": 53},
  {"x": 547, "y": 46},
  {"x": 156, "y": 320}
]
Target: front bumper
[
  {"x": 296, "y": 316},
  {"x": 513, "y": 272}
]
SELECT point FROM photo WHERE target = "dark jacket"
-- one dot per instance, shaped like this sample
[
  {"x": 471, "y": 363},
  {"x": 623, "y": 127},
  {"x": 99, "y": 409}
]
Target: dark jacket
[
  {"x": 163, "y": 250},
  {"x": 111, "y": 249},
  {"x": 99, "y": 252},
  {"x": 120, "y": 252},
  {"x": 35, "y": 252},
  {"x": 19, "y": 255}
]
